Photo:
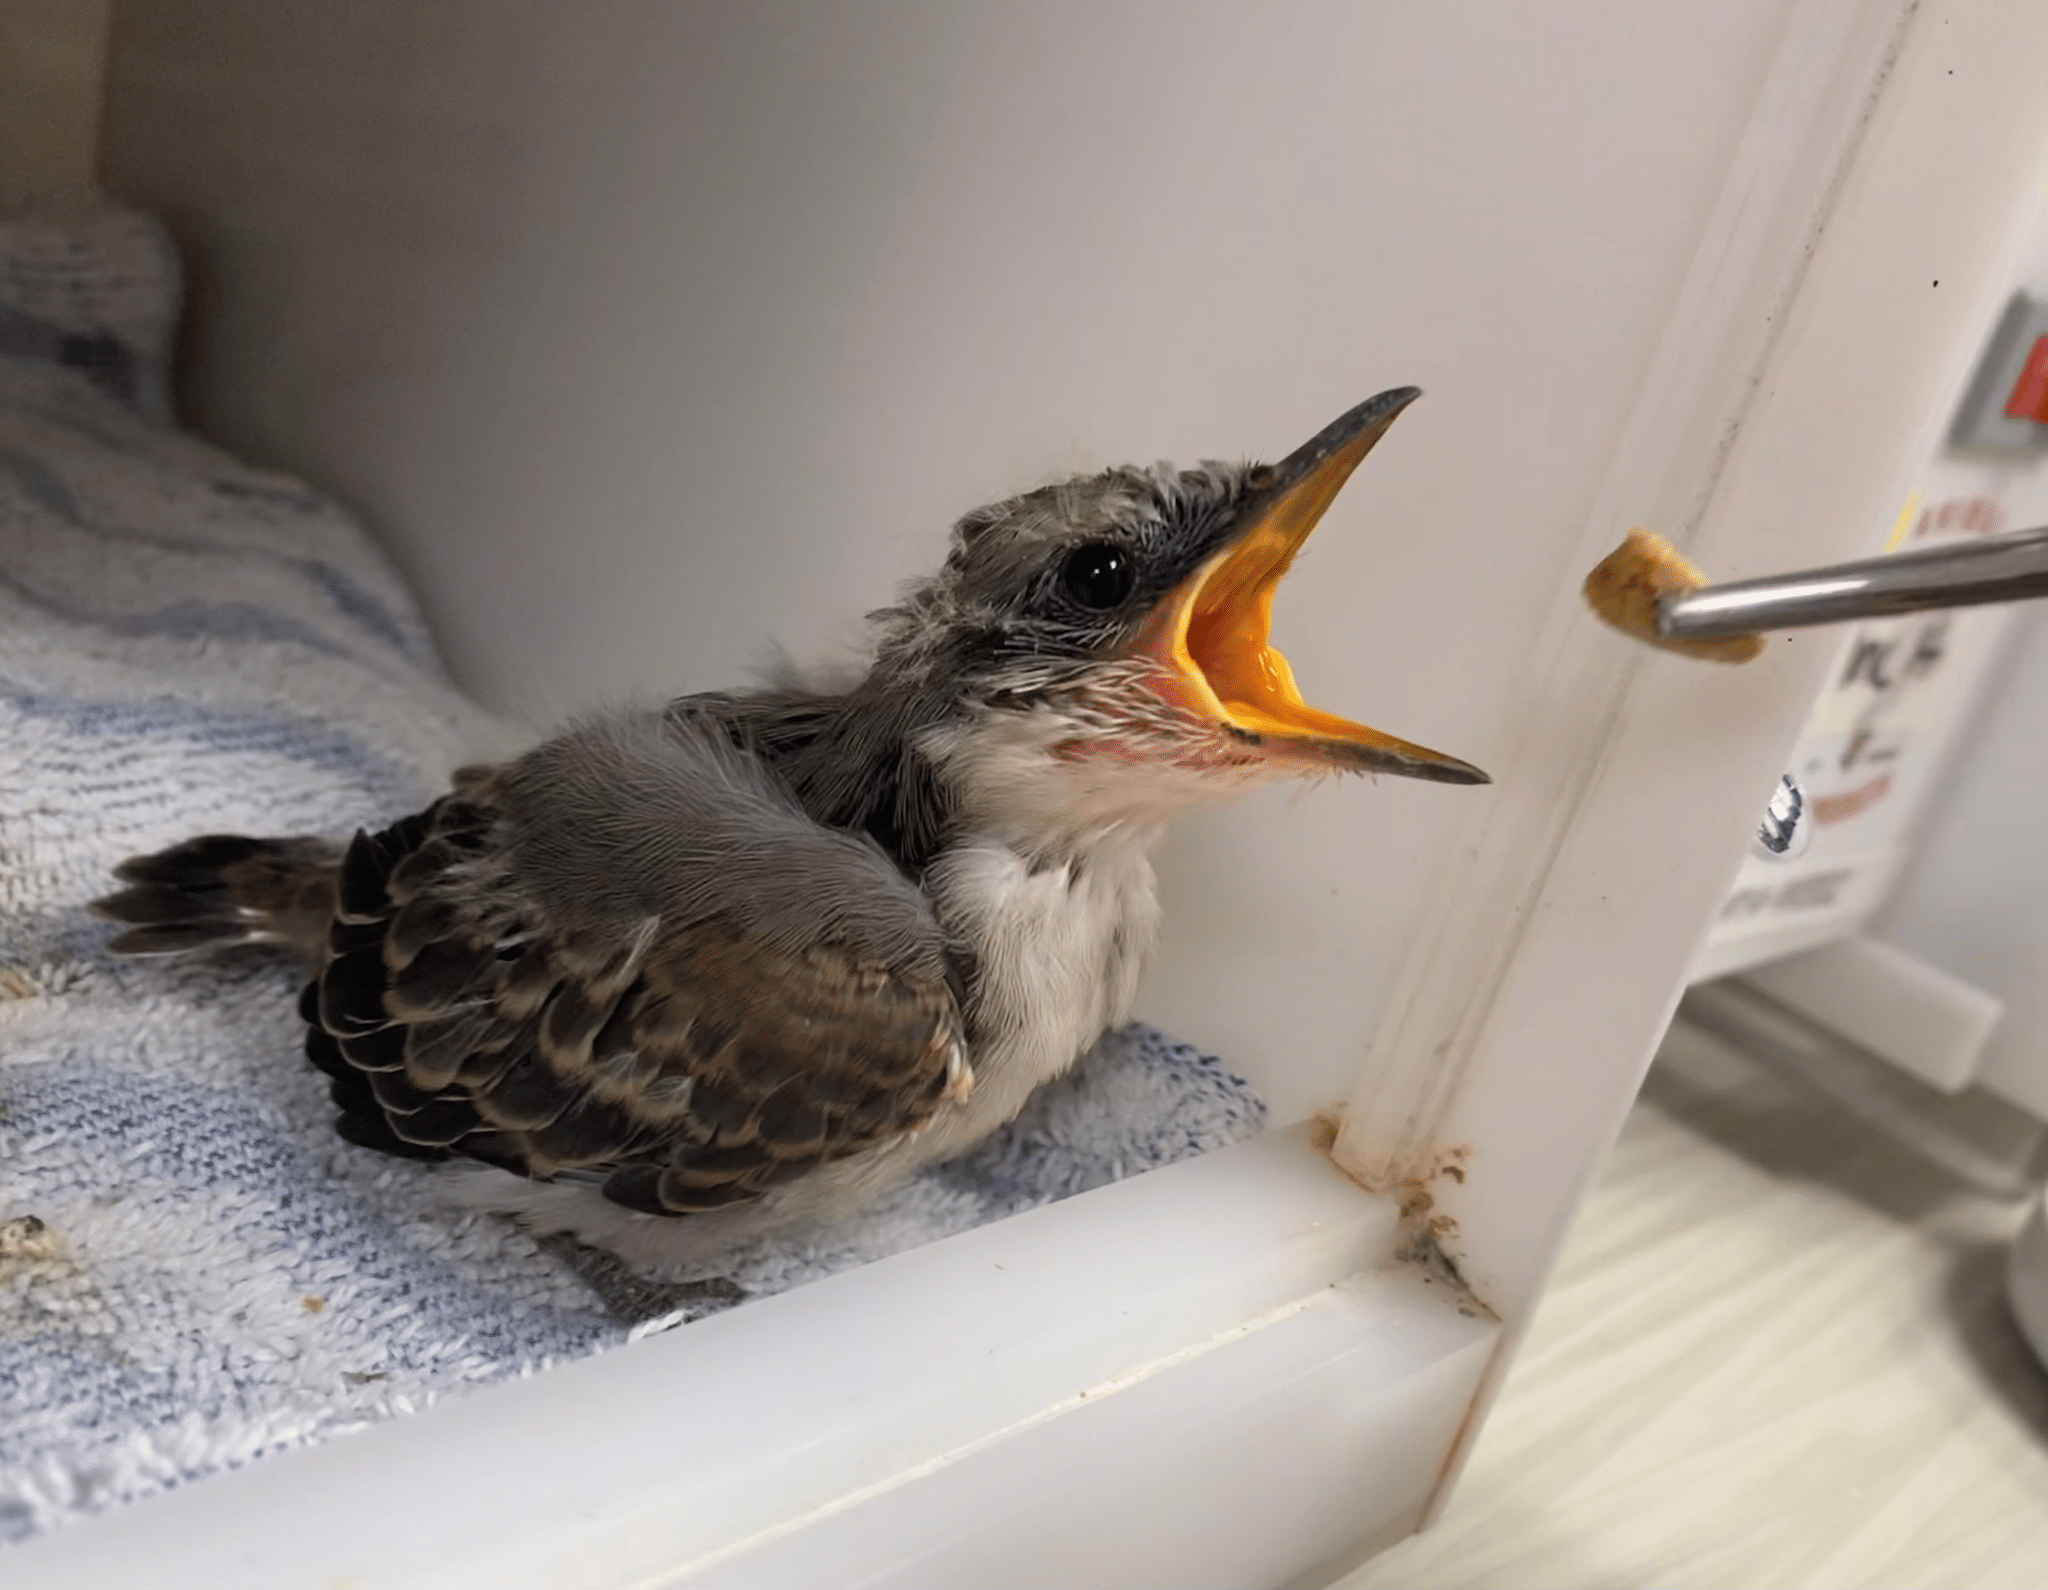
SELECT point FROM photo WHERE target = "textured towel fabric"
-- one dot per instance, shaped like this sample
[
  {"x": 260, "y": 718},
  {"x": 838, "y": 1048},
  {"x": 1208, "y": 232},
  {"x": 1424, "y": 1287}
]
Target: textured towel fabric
[{"x": 193, "y": 1270}]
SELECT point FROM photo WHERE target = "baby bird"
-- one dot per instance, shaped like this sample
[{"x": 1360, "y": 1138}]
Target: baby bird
[{"x": 772, "y": 950}]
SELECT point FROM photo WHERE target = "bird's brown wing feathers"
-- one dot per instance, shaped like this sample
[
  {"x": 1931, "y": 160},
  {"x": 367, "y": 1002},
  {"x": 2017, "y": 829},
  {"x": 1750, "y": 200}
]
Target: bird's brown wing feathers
[{"x": 536, "y": 972}]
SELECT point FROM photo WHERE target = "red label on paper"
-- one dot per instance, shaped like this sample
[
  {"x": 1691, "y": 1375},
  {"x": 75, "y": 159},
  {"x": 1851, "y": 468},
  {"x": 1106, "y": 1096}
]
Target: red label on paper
[{"x": 2029, "y": 399}]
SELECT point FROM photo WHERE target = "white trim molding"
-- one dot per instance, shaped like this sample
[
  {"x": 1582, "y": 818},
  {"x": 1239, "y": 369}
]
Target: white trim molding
[{"x": 1872, "y": 216}]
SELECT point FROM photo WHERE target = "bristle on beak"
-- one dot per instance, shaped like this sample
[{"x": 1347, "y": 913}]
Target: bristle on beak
[{"x": 1211, "y": 634}]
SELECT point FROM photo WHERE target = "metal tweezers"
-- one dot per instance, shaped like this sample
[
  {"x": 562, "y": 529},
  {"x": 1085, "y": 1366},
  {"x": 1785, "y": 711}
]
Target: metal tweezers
[{"x": 2005, "y": 568}]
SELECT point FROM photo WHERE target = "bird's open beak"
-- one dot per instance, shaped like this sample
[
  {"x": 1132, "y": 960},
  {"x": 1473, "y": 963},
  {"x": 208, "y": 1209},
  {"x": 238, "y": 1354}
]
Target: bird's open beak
[{"x": 1210, "y": 634}]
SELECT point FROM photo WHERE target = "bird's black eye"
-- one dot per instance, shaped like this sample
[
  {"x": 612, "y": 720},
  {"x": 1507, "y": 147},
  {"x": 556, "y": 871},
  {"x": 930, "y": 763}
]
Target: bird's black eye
[{"x": 1098, "y": 575}]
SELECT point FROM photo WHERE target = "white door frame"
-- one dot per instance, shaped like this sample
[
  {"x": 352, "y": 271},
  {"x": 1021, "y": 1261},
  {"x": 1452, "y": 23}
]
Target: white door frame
[{"x": 1854, "y": 261}]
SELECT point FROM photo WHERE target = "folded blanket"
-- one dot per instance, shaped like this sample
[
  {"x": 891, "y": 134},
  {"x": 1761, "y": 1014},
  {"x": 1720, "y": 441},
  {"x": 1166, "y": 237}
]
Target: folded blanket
[{"x": 194, "y": 1271}]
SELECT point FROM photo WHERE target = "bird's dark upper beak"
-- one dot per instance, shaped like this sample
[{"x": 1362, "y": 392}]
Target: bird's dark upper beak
[{"x": 1210, "y": 633}]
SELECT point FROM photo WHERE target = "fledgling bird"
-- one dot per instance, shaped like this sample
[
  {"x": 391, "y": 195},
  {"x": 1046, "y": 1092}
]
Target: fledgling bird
[{"x": 770, "y": 951}]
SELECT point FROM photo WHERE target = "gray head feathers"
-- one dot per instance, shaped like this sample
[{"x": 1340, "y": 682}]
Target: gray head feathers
[{"x": 998, "y": 618}]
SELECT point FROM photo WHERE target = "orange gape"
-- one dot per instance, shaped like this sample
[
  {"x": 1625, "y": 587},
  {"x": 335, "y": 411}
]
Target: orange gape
[{"x": 1212, "y": 634}]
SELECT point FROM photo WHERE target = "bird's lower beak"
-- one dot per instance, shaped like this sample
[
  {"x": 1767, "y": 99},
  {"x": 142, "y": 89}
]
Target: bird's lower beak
[{"x": 1210, "y": 634}]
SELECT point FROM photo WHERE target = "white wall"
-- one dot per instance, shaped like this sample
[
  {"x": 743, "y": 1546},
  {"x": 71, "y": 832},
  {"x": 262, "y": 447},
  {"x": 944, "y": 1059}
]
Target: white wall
[{"x": 645, "y": 332}]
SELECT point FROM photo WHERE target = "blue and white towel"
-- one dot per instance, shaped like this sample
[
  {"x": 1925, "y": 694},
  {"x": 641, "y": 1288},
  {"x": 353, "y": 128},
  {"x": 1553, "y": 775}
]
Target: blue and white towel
[{"x": 194, "y": 1271}]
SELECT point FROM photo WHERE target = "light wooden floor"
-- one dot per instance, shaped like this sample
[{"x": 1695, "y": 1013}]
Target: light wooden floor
[{"x": 1776, "y": 1353}]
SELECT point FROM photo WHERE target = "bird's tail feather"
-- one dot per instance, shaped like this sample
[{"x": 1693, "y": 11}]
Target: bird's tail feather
[{"x": 223, "y": 889}]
